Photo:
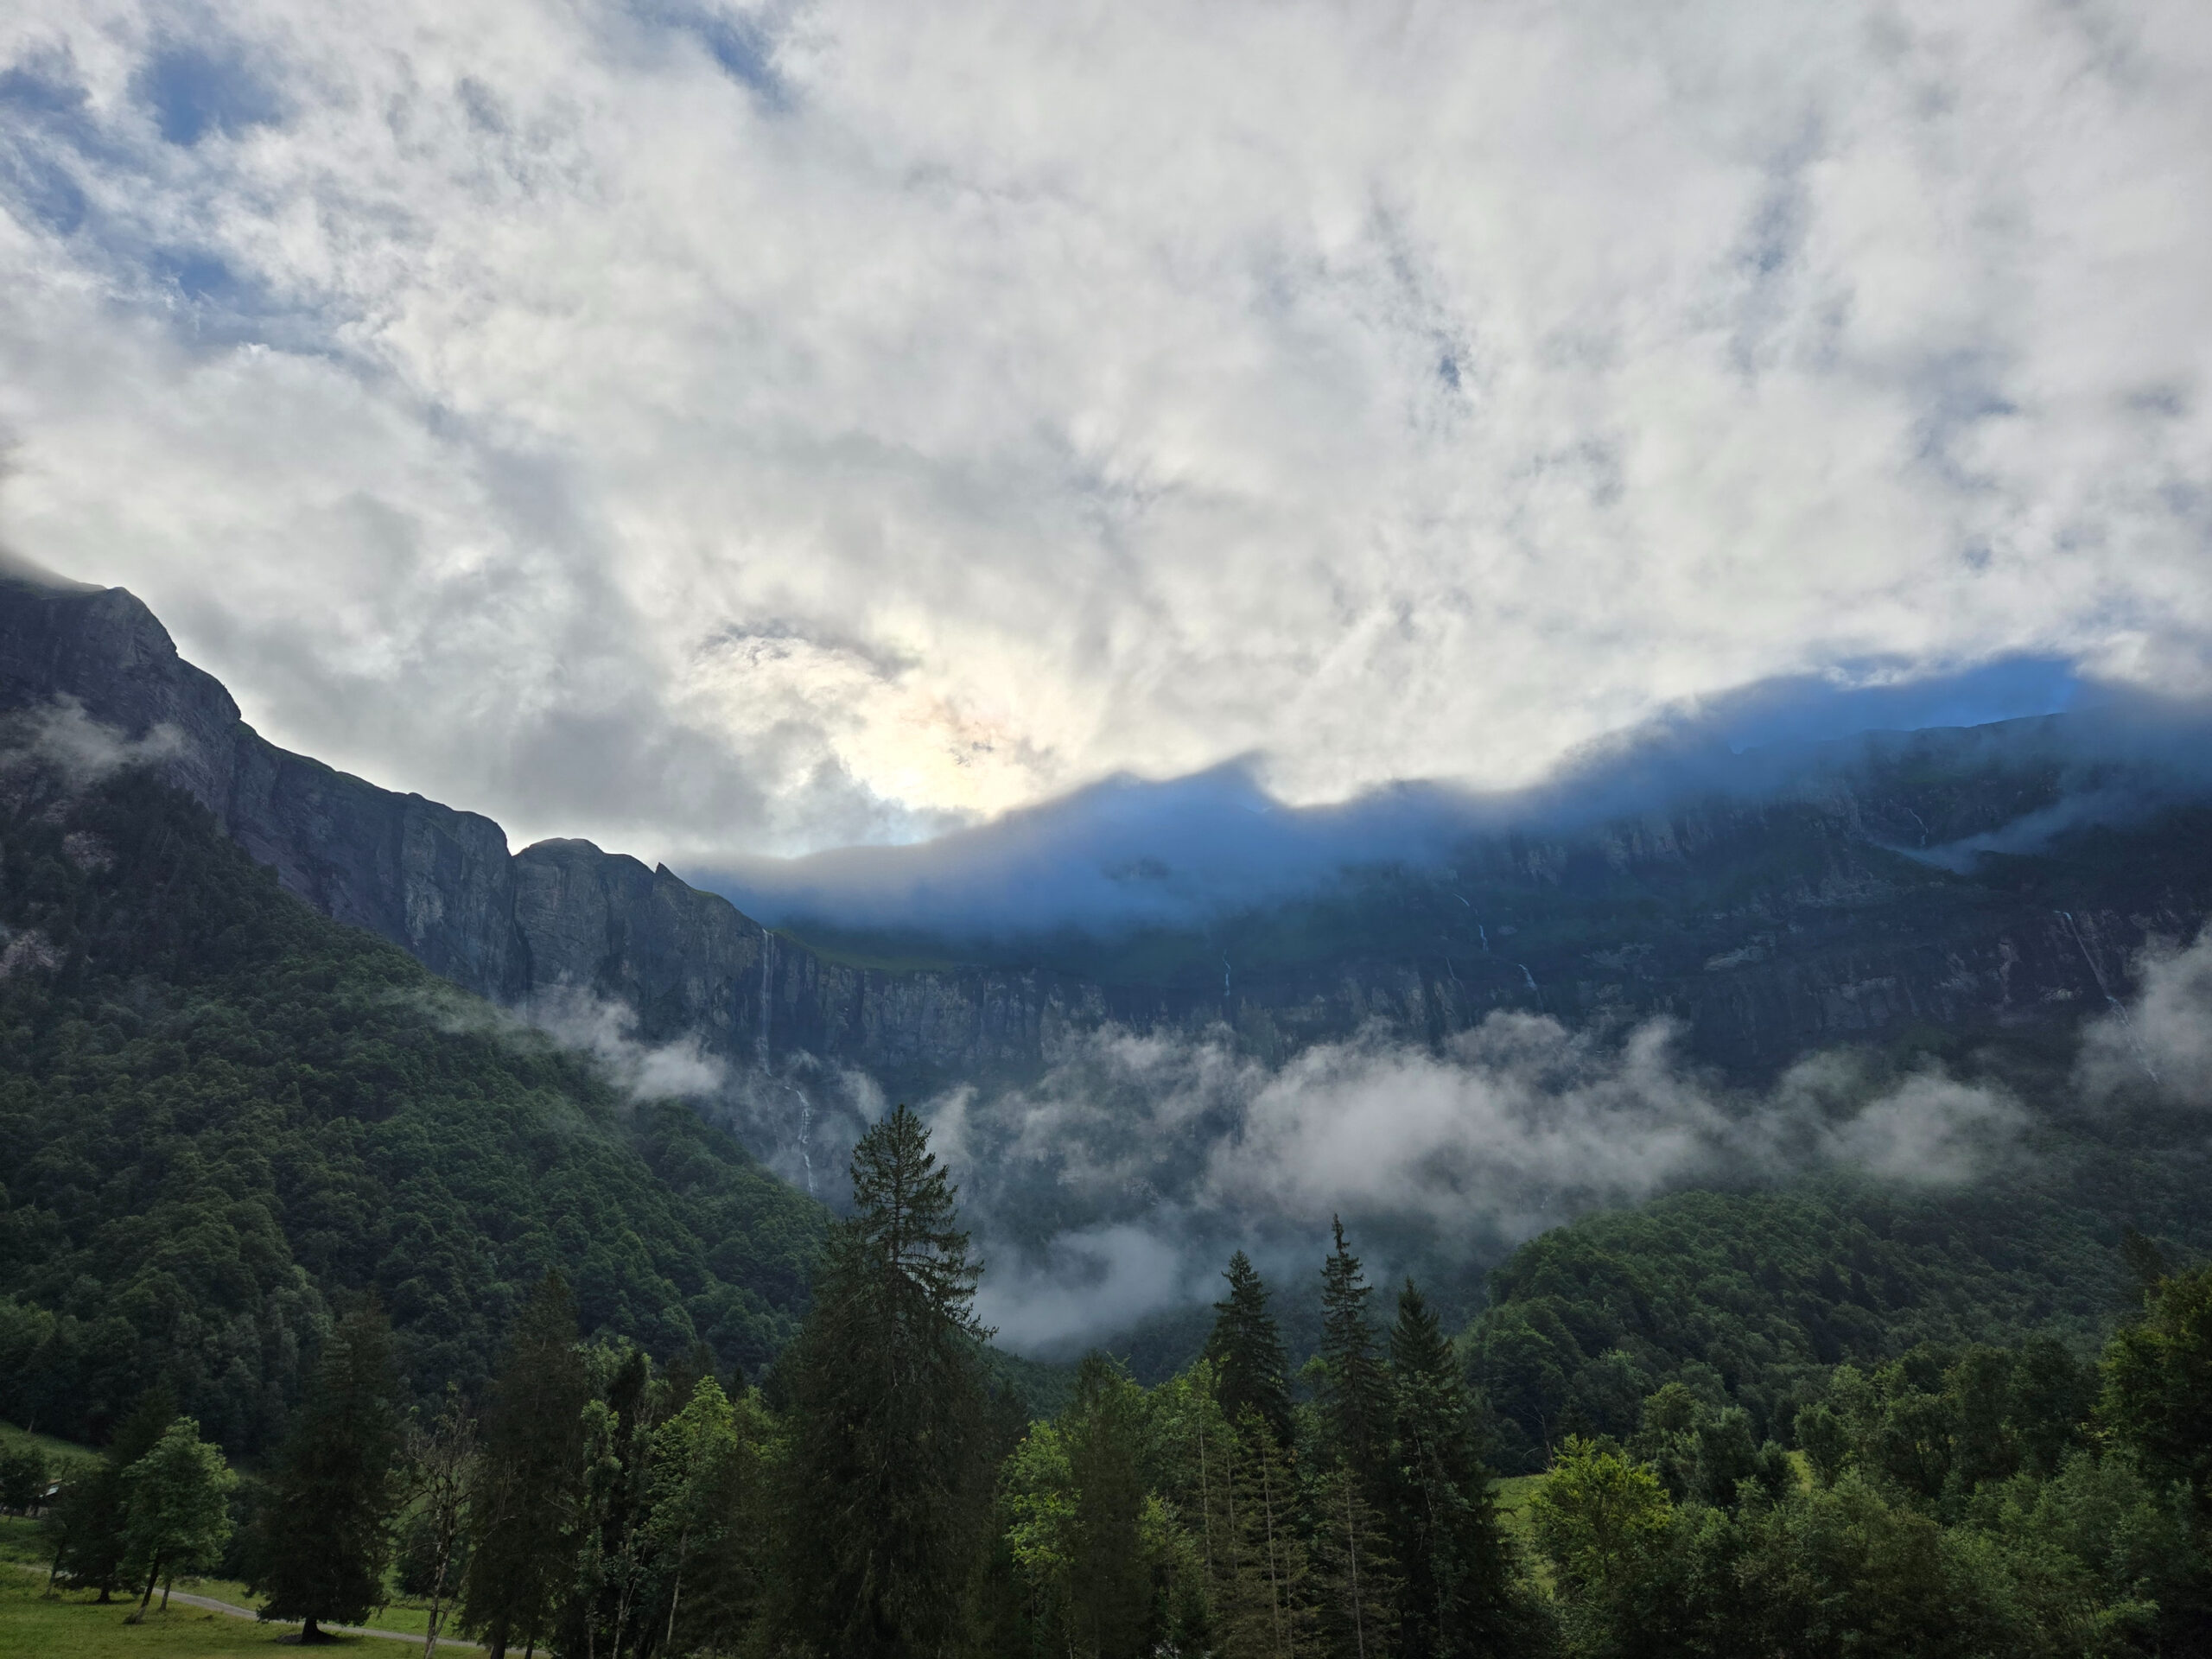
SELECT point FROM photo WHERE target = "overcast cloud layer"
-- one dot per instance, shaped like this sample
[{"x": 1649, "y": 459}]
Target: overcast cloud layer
[{"x": 707, "y": 428}]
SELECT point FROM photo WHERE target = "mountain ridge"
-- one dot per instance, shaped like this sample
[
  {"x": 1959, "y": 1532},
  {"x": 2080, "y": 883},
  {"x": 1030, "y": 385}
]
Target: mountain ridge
[{"x": 1763, "y": 927}]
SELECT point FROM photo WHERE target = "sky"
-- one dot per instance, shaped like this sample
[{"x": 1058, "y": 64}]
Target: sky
[{"x": 719, "y": 430}]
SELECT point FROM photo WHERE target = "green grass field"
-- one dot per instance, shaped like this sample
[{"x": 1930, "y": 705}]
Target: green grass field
[
  {"x": 76, "y": 1627},
  {"x": 23, "y": 1554},
  {"x": 1513, "y": 1493},
  {"x": 57, "y": 1452}
]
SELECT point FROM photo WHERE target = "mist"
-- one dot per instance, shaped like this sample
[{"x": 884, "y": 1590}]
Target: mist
[
  {"x": 1110, "y": 1191},
  {"x": 2161, "y": 1040},
  {"x": 83, "y": 751}
]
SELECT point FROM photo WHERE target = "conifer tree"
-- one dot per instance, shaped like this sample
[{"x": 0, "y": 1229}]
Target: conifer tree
[
  {"x": 90, "y": 1520},
  {"x": 1354, "y": 1392},
  {"x": 1110, "y": 1583},
  {"x": 1457, "y": 1594},
  {"x": 177, "y": 1507},
  {"x": 886, "y": 1490},
  {"x": 1247, "y": 1353},
  {"x": 1352, "y": 1556},
  {"x": 327, "y": 1532},
  {"x": 1264, "y": 1601},
  {"x": 523, "y": 1505}
]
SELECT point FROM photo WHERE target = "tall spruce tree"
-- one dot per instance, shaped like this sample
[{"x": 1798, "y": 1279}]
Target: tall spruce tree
[
  {"x": 1352, "y": 1546},
  {"x": 1246, "y": 1350},
  {"x": 89, "y": 1522},
  {"x": 1109, "y": 1581},
  {"x": 1355, "y": 1391},
  {"x": 522, "y": 1510},
  {"x": 1457, "y": 1581},
  {"x": 888, "y": 1484},
  {"x": 326, "y": 1533},
  {"x": 1262, "y": 1597}
]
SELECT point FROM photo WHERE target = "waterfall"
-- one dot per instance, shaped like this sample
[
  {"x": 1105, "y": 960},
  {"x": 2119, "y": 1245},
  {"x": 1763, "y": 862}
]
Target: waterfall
[
  {"x": 2113, "y": 1003},
  {"x": 1531, "y": 978},
  {"x": 767, "y": 974}
]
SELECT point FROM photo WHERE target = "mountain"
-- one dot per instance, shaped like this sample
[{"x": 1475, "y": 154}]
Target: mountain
[
  {"x": 1769, "y": 905},
  {"x": 225, "y": 1119}
]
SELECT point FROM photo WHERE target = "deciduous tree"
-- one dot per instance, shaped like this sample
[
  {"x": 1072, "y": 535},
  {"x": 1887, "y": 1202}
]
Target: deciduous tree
[
  {"x": 441, "y": 1466},
  {"x": 177, "y": 1503},
  {"x": 93, "y": 1513},
  {"x": 2158, "y": 1396}
]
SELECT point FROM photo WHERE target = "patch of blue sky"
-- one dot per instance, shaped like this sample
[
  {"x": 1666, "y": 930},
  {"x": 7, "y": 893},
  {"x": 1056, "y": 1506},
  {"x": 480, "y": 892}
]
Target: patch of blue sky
[
  {"x": 742, "y": 46},
  {"x": 39, "y": 188},
  {"x": 45, "y": 124},
  {"x": 53, "y": 148},
  {"x": 195, "y": 90}
]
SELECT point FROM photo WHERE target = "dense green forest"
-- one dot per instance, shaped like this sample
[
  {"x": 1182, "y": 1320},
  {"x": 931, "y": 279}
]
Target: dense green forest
[
  {"x": 875, "y": 1494},
  {"x": 1750, "y": 1299},
  {"x": 224, "y": 1118}
]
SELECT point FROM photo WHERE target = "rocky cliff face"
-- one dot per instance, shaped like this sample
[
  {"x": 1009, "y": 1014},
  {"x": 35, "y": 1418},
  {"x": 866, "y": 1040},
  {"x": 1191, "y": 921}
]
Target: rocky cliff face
[
  {"x": 435, "y": 880},
  {"x": 559, "y": 917},
  {"x": 1765, "y": 928}
]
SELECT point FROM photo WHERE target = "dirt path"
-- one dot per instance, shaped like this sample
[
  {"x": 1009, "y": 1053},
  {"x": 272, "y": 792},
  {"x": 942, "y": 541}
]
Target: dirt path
[{"x": 236, "y": 1612}]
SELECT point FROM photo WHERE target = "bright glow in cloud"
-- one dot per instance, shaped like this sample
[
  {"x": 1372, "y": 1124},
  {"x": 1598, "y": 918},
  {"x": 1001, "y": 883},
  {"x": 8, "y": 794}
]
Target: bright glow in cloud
[{"x": 704, "y": 426}]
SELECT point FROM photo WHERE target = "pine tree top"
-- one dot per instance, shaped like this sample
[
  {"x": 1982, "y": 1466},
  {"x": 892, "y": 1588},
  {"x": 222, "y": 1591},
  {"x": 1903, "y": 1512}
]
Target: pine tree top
[
  {"x": 1354, "y": 1392},
  {"x": 1418, "y": 1345},
  {"x": 905, "y": 1218},
  {"x": 1246, "y": 1350}
]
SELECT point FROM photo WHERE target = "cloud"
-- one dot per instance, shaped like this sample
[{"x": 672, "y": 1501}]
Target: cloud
[
  {"x": 1129, "y": 853},
  {"x": 83, "y": 750},
  {"x": 716, "y": 428},
  {"x": 1927, "y": 1129},
  {"x": 1091, "y": 1282},
  {"x": 1516, "y": 1123},
  {"x": 1112, "y": 1188},
  {"x": 608, "y": 1031},
  {"x": 2162, "y": 1038}
]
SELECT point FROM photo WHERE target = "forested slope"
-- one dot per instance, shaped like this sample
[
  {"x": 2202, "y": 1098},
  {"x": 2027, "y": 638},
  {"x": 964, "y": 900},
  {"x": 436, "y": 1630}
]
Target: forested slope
[
  {"x": 223, "y": 1116},
  {"x": 1750, "y": 1299}
]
